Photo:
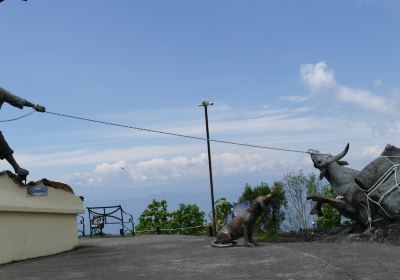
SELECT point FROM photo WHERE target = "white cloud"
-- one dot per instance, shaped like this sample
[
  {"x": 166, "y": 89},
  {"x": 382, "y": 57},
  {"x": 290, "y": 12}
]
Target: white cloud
[
  {"x": 303, "y": 109},
  {"x": 105, "y": 167},
  {"x": 317, "y": 76},
  {"x": 363, "y": 98},
  {"x": 160, "y": 169},
  {"x": 94, "y": 156},
  {"x": 371, "y": 151},
  {"x": 164, "y": 170},
  {"x": 294, "y": 98},
  {"x": 321, "y": 80}
]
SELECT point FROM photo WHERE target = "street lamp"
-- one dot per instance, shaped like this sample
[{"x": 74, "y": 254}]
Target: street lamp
[{"x": 205, "y": 104}]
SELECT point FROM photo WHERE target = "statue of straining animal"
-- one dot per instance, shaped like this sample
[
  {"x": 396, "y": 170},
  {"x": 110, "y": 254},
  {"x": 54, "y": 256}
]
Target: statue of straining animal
[
  {"x": 242, "y": 225},
  {"x": 361, "y": 196}
]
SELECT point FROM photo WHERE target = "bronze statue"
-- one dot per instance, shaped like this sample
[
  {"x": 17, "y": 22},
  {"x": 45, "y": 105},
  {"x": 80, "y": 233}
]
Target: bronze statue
[
  {"x": 242, "y": 225},
  {"x": 368, "y": 197},
  {"x": 5, "y": 151}
]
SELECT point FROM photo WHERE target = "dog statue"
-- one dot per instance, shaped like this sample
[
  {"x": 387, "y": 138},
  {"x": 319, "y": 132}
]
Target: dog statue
[{"x": 242, "y": 225}]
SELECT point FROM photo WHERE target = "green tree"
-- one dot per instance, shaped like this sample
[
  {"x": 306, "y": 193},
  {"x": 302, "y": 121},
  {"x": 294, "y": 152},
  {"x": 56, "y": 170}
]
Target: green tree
[
  {"x": 186, "y": 216},
  {"x": 155, "y": 216},
  {"x": 222, "y": 209},
  {"x": 278, "y": 203},
  {"x": 262, "y": 189},
  {"x": 248, "y": 194},
  {"x": 330, "y": 216},
  {"x": 315, "y": 186}
]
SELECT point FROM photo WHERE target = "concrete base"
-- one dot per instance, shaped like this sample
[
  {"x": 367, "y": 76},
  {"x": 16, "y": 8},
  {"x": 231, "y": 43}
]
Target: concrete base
[
  {"x": 32, "y": 227},
  {"x": 31, "y": 235}
]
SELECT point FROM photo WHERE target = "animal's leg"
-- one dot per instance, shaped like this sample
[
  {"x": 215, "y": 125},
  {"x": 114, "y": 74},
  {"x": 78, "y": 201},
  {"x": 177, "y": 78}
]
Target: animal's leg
[
  {"x": 251, "y": 240},
  {"x": 223, "y": 238},
  {"x": 246, "y": 235},
  {"x": 338, "y": 204},
  {"x": 316, "y": 210}
]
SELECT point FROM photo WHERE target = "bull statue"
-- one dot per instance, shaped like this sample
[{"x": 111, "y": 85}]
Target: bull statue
[{"x": 368, "y": 197}]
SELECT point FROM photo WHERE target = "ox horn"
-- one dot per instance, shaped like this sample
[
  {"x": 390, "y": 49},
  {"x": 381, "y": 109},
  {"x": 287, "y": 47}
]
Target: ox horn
[{"x": 336, "y": 158}]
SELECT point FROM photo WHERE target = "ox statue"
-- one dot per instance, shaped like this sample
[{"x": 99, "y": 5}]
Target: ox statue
[{"x": 368, "y": 197}]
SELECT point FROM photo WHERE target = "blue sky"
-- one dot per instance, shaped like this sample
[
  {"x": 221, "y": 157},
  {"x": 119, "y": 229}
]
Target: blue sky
[{"x": 290, "y": 74}]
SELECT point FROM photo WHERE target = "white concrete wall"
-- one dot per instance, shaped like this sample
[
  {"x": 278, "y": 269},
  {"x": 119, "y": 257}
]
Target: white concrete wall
[
  {"x": 30, "y": 235},
  {"x": 31, "y": 227}
]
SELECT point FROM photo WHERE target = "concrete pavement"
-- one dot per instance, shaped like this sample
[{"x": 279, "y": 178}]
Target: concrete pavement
[{"x": 188, "y": 257}]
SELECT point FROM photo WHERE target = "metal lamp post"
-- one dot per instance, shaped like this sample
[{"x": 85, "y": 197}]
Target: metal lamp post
[{"x": 205, "y": 104}]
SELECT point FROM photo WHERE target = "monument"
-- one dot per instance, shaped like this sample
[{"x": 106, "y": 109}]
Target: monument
[
  {"x": 370, "y": 197},
  {"x": 38, "y": 218},
  {"x": 36, "y": 224}
]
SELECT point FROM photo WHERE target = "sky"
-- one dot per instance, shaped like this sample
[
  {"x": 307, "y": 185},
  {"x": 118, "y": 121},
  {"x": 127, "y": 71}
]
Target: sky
[{"x": 287, "y": 74}]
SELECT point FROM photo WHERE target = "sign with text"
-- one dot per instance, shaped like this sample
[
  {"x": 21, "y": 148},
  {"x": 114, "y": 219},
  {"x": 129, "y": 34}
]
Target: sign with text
[{"x": 37, "y": 190}]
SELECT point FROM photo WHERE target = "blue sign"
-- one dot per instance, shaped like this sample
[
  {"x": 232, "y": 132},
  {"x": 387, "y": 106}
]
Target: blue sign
[{"x": 240, "y": 207}]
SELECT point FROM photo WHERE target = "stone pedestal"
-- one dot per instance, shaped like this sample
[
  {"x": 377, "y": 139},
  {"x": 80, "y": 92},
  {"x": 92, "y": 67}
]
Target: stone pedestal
[{"x": 37, "y": 224}]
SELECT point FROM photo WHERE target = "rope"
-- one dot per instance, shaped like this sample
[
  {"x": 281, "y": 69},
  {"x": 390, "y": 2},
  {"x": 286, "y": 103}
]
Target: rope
[
  {"x": 21, "y": 117},
  {"x": 174, "y": 134},
  {"x": 392, "y": 170}
]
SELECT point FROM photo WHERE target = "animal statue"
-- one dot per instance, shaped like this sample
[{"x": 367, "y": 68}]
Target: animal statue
[
  {"x": 370, "y": 196},
  {"x": 242, "y": 225}
]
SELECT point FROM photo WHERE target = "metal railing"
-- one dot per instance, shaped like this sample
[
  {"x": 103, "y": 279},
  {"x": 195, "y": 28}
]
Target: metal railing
[{"x": 110, "y": 215}]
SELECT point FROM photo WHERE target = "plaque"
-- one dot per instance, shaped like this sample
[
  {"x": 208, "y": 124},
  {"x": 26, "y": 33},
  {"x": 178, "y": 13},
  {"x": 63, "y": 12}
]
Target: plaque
[{"x": 37, "y": 190}]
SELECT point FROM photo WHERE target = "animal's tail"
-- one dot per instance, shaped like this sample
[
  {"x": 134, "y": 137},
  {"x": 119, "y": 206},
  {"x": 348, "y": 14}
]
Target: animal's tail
[{"x": 226, "y": 245}]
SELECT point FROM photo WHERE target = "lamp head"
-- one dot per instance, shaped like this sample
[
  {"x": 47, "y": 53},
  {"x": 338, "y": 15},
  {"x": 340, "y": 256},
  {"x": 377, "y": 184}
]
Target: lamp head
[{"x": 206, "y": 103}]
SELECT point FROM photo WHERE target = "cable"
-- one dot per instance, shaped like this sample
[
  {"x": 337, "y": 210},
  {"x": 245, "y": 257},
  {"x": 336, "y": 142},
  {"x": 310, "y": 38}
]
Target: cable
[
  {"x": 175, "y": 134},
  {"x": 15, "y": 119}
]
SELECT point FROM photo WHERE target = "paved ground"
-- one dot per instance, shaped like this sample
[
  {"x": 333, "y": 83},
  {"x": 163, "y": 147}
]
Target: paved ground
[{"x": 185, "y": 257}]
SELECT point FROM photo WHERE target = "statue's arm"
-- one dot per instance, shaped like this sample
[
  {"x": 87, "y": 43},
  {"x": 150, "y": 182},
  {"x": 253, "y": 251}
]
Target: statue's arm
[
  {"x": 16, "y": 101},
  {"x": 13, "y": 100}
]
